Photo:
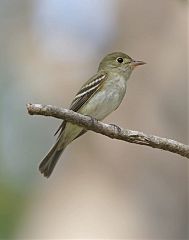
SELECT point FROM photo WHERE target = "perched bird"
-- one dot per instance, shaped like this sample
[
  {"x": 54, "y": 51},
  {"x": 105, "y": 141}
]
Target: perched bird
[{"x": 98, "y": 97}]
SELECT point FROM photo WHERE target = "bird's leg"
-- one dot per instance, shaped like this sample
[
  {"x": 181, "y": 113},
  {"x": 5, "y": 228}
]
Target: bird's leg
[
  {"x": 116, "y": 128},
  {"x": 93, "y": 120}
]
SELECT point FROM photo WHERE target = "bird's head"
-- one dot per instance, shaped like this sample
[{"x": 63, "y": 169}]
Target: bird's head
[{"x": 119, "y": 62}]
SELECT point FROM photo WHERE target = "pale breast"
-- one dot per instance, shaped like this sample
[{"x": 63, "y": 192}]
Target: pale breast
[{"x": 106, "y": 100}]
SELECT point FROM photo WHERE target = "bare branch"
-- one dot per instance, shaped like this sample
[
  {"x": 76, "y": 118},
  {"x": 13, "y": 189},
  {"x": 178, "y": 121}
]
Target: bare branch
[{"x": 110, "y": 130}]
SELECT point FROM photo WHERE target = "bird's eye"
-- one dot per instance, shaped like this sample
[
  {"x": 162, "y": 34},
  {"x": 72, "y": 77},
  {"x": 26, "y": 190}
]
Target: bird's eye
[{"x": 119, "y": 60}]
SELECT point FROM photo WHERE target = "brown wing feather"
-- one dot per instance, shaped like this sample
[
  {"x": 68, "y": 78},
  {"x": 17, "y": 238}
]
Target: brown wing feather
[
  {"x": 84, "y": 94},
  {"x": 61, "y": 128}
]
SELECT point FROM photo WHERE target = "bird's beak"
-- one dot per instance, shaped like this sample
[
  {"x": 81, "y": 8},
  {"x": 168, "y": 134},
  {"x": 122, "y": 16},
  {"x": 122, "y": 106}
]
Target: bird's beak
[{"x": 137, "y": 63}]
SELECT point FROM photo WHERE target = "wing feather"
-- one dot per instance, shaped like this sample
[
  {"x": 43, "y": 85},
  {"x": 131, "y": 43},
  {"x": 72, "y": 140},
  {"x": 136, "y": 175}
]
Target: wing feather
[{"x": 84, "y": 94}]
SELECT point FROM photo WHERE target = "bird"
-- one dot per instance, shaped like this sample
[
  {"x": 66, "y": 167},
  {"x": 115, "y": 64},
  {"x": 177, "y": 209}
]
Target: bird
[{"x": 98, "y": 97}]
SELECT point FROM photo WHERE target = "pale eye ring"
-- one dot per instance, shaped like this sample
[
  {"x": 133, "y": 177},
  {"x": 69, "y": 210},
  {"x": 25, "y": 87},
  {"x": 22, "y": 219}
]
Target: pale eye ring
[{"x": 119, "y": 59}]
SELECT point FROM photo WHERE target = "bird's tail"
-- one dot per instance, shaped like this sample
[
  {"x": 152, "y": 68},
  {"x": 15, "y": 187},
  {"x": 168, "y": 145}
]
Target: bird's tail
[{"x": 48, "y": 163}]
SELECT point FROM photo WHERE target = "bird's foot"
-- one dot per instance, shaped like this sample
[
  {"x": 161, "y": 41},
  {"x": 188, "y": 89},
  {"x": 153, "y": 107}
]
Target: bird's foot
[
  {"x": 92, "y": 120},
  {"x": 116, "y": 128}
]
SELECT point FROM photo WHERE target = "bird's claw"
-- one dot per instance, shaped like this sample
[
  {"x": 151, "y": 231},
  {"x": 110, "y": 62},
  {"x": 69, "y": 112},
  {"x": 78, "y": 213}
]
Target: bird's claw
[
  {"x": 93, "y": 120},
  {"x": 116, "y": 128}
]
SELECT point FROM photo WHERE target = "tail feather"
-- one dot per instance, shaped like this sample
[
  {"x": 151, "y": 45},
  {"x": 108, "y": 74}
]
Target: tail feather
[{"x": 48, "y": 163}]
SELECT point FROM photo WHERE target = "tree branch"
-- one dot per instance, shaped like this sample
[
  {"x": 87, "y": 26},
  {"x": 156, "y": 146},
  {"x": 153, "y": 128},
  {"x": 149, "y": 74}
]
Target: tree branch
[{"x": 110, "y": 130}]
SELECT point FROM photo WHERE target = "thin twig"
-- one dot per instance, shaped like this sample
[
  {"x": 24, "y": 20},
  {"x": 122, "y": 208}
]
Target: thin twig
[{"x": 110, "y": 130}]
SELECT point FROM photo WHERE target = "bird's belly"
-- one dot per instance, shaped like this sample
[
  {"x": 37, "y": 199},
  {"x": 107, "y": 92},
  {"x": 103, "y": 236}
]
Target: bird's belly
[
  {"x": 99, "y": 106},
  {"x": 106, "y": 100}
]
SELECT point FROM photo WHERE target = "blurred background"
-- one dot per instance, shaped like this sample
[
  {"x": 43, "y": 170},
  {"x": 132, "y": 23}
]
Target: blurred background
[{"x": 101, "y": 188}]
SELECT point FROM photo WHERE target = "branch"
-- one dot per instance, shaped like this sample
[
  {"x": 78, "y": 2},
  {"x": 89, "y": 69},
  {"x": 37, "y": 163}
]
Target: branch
[{"x": 110, "y": 130}]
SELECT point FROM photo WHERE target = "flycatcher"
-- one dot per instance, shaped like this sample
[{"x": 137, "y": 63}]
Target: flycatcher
[{"x": 98, "y": 97}]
